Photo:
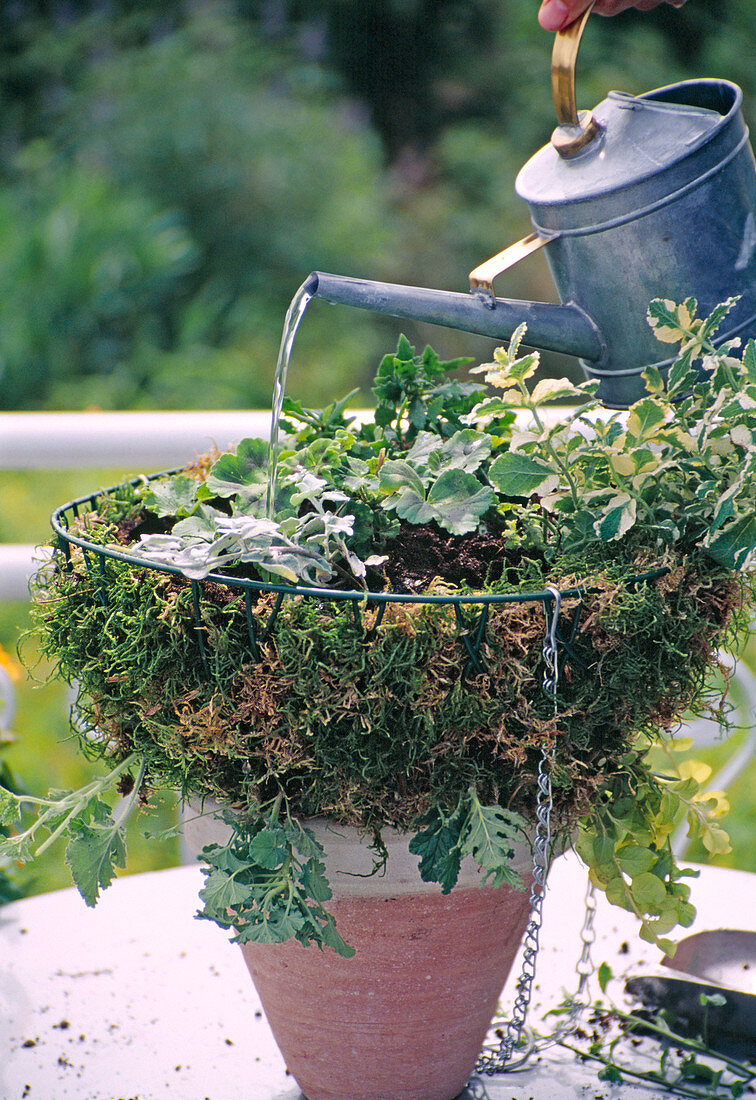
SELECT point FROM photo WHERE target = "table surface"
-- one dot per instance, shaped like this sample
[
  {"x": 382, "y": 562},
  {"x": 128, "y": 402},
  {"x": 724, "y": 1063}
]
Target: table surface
[{"x": 136, "y": 1000}]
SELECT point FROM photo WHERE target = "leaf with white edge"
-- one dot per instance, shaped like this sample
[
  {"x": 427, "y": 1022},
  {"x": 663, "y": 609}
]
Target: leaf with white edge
[
  {"x": 617, "y": 517},
  {"x": 519, "y": 475},
  {"x": 554, "y": 389},
  {"x": 654, "y": 380},
  {"x": 733, "y": 545},
  {"x": 494, "y": 408},
  {"x": 644, "y": 418},
  {"x": 508, "y": 370},
  {"x": 682, "y": 378},
  {"x": 93, "y": 853},
  {"x": 507, "y": 377},
  {"x": 715, "y": 318},
  {"x": 622, "y": 464},
  {"x": 749, "y": 361},
  {"x": 671, "y": 322},
  {"x": 510, "y": 353},
  {"x": 742, "y": 436},
  {"x": 725, "y": 507}
]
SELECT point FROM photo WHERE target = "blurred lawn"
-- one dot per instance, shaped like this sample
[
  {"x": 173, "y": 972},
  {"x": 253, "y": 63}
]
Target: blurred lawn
[
  {"x": 29, "y": 496},
  {"x": 44, "y": 753}
]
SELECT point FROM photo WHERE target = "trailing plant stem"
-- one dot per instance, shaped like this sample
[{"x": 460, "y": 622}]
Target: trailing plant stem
[{"x": 81, "y": 797}]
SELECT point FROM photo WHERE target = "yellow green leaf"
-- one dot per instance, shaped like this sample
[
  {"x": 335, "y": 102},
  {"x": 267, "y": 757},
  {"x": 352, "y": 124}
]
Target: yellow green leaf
[
  {"x": 694, "y": 769},
  {"x": 715, "y": 840}
]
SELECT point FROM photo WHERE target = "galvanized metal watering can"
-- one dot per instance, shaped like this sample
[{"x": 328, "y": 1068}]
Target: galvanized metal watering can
[{"x": 647, "y": 196}]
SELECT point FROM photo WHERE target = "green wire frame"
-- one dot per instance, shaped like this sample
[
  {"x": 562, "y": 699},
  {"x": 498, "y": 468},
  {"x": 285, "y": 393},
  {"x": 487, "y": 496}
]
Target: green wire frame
[{"x": 471, "y": 628}]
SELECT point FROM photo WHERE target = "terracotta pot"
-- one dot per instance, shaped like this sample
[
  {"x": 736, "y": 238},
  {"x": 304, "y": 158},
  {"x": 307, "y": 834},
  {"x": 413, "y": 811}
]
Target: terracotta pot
[{"x": 404, "y": 1019}]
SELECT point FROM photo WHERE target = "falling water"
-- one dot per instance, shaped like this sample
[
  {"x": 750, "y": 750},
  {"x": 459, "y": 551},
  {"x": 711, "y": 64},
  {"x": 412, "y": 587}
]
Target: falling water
[{"x": 294, "y": 315}]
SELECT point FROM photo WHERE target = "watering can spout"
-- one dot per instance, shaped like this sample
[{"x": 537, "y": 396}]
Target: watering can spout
[{"x": 564, "y": 328}]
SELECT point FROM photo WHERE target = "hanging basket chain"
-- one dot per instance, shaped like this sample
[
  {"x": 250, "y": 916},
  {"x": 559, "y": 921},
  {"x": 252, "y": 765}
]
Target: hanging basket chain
[
  {"x": 513, "y": 1034},
  {"x": 513, "y": 1038}
]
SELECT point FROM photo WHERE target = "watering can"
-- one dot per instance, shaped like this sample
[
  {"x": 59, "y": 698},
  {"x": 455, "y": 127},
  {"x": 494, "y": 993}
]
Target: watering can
[{"x": 649, "y": 196}]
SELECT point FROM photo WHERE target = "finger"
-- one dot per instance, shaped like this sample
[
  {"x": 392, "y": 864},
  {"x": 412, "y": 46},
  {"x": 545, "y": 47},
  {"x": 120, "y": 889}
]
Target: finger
[{"x": 556, "y": 14}]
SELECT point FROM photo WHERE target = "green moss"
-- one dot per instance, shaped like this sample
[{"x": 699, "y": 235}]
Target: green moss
[{"x": 375, "y": 722}]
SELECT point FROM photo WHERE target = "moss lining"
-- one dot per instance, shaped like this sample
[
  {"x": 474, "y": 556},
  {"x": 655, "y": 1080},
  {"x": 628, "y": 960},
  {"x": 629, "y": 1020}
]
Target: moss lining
[{"x": 376, "y": 731}]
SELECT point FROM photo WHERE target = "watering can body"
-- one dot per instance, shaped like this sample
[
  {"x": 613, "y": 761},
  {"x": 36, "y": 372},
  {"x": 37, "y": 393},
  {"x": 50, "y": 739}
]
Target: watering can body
[
  {"x": 659, "y": 203},
  {"x": 662, "y": 204}
]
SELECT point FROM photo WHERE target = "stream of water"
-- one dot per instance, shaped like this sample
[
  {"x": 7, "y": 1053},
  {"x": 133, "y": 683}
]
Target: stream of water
[{"x": 294, "y": 315}]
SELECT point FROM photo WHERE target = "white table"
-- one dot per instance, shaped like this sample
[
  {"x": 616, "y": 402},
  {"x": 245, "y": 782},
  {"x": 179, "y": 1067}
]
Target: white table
[{"x": 136, "y": 1000}]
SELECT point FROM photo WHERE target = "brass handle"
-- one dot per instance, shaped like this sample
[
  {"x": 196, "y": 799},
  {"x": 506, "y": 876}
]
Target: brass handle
[
  {"x": 482, "y": 278},
  {"x": 576, "y": 128}
]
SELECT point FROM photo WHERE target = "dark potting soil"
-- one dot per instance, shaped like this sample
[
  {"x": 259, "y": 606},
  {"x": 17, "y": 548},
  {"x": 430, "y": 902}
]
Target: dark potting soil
[{"x": 418, "y": 554}]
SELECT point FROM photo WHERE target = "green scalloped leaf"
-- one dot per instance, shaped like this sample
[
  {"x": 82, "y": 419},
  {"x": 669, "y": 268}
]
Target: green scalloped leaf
[
  {"x": 515, "y": 474},
  {"x": 245, "y": 472}
]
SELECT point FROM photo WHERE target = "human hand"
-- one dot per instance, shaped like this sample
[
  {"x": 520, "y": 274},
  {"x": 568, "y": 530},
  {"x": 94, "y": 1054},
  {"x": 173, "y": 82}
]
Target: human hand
[{"x": 555, "y": 15}]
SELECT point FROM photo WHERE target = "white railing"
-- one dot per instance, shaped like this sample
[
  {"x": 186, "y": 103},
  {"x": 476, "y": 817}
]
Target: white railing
[{"x": 134, "y": 441}]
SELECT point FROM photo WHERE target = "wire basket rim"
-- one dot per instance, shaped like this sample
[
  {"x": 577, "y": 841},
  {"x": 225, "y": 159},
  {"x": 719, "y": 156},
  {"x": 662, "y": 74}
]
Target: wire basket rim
[{"x": 360, "y": 595}]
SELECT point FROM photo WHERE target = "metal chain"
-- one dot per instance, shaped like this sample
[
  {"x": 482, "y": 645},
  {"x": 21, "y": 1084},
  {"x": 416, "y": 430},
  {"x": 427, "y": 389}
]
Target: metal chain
[
  {"x": 499, "y": 1059},
  {"x": 585, "y": 967}
]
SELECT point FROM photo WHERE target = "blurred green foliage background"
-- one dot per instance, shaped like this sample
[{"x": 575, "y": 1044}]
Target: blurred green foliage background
[{"x": 171, "y": 171}]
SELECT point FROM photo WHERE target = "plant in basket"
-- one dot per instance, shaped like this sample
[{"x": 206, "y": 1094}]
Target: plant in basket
[{"x": 398, "y": 673}]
